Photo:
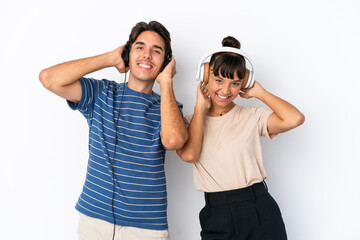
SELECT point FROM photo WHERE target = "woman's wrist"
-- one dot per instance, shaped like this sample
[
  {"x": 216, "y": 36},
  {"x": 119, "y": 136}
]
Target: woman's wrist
[
  {"x": 199, "y": 109},
  {"x": 260, "y": 92},
  {"x": 262, "y": 95}
]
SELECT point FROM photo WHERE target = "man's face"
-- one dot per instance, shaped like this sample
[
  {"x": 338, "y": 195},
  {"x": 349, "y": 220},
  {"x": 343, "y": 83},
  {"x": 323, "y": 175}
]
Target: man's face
[{"x": 147, "y": 56}]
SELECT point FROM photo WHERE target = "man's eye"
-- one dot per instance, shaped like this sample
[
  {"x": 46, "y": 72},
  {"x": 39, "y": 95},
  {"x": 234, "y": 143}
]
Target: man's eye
[
  {"x": 156, "y": 51},
  {"x": 236, "y": 84}
]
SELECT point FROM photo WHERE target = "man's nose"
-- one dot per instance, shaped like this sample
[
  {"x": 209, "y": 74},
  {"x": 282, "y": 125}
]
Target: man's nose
[{"x": 147, "y": 53}]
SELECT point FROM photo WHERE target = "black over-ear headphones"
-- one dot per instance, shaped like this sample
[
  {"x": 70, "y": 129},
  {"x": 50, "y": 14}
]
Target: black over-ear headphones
[{"x": 126, "y": 53}]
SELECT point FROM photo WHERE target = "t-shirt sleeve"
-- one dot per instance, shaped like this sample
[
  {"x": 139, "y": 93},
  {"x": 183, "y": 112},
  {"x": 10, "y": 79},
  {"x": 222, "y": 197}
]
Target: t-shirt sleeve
[
  {"x": 90, "y": 89},
  {"x": 262, "y": 115},
  {"x": 180, "y": 106},
  {"x": 187, "y": 119}
]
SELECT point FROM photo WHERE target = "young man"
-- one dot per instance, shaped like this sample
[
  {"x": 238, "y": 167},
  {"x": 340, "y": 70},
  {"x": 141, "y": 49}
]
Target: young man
[{"x": 124, "y": 194}]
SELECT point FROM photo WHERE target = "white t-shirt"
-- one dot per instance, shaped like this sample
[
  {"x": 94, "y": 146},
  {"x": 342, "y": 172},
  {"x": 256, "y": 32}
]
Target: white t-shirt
[{"x": 231, "y": 156}]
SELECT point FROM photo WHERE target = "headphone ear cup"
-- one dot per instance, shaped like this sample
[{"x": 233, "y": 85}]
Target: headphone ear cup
[
  {"x": 251, "y": 80},
  {"x": 245, "y": 79},
  {"x": 125, "y": 54},
  {"x": 206, "y": 69},
  {"x": 167, "y": 60}
]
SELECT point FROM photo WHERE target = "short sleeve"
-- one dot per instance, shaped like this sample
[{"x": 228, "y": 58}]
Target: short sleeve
[
  {"x": 180, "y": 106},
  {"x": 90, "y": 89},
  {"x": 261, "y": 116},
  {"x": 187, "y": 119}
]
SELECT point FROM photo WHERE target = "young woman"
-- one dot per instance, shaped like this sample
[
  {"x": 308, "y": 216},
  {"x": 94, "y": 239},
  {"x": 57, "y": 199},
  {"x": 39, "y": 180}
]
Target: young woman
[{"x": 224, "y": 147}]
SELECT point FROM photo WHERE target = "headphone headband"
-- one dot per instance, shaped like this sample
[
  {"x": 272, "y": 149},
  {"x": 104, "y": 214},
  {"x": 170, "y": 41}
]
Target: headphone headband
[{"x": 200, "y": 72}]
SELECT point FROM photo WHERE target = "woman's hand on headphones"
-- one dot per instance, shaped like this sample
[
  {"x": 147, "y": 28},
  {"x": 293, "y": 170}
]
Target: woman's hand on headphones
[
  {"x": 168, "y": 72},
  {"x": 203, "y": 101},
  {"x": 118, "y": 61},
  {"x": 254, "y": 91}
]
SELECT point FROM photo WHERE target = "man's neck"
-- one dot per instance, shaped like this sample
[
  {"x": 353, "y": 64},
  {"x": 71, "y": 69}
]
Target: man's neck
[{"x": 140, "y": 85}]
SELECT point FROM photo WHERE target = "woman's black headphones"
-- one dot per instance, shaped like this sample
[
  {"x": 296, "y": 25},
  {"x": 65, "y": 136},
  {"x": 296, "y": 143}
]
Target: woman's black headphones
[{"x": 125, "y": 56}]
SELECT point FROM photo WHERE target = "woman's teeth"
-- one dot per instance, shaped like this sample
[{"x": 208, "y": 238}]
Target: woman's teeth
[{"x": 223, "y": 97}]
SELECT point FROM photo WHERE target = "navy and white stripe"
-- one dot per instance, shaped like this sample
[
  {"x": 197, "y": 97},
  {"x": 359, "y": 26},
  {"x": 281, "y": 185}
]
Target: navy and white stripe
[{"x": 137, "y": 162}]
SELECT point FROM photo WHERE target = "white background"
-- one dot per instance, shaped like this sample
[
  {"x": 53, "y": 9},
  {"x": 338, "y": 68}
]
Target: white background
[{"x": 306, "y": 52}]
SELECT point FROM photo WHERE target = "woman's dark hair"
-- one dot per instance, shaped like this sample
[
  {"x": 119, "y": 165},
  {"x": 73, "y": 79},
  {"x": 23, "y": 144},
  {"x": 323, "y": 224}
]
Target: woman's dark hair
[
  {"x": 153, "y": 26},
  {"x": 226, "y": 64}
]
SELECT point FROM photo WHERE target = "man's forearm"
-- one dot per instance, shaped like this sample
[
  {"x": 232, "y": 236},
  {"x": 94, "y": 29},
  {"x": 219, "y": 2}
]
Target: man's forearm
[
  {"x": 67, "y": 73},
  {"x": 173, "y": 129}
]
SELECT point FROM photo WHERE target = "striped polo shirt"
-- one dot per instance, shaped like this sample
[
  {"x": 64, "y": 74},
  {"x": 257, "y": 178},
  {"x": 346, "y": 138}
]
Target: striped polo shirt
[{"x": 125, "y": 180}]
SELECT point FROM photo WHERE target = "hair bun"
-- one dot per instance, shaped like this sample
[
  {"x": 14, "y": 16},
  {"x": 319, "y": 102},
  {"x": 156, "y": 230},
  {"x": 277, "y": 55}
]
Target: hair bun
[{"x": 231, "y": 42}]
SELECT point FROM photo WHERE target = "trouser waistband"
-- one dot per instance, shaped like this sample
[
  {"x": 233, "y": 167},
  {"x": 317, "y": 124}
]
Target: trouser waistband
[{"x": 250, "y": 193}]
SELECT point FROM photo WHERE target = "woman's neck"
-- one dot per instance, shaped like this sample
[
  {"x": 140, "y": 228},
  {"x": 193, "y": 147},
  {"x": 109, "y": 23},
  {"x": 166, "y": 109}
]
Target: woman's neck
[{"x": 217, "y": 111}]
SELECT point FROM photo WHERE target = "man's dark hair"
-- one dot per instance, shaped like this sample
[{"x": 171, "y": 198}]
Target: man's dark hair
[{"x": 153, "y": 26}]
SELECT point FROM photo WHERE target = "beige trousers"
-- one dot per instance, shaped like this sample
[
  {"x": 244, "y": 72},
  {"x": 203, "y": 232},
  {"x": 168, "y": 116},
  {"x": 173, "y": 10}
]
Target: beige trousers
[{"x": 96, "y": 229}]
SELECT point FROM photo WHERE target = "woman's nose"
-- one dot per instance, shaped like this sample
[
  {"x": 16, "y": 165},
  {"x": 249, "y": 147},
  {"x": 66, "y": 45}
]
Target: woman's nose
[{"x": 226, "y": 89}]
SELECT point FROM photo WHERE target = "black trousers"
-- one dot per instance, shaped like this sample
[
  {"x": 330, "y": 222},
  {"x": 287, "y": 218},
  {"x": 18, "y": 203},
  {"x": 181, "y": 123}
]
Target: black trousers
[{"x": 242, "y": 214}]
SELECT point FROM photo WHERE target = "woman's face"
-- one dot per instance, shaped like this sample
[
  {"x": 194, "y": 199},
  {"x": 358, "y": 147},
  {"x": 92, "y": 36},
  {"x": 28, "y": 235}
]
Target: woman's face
[{"x": 223, "y": 90}]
